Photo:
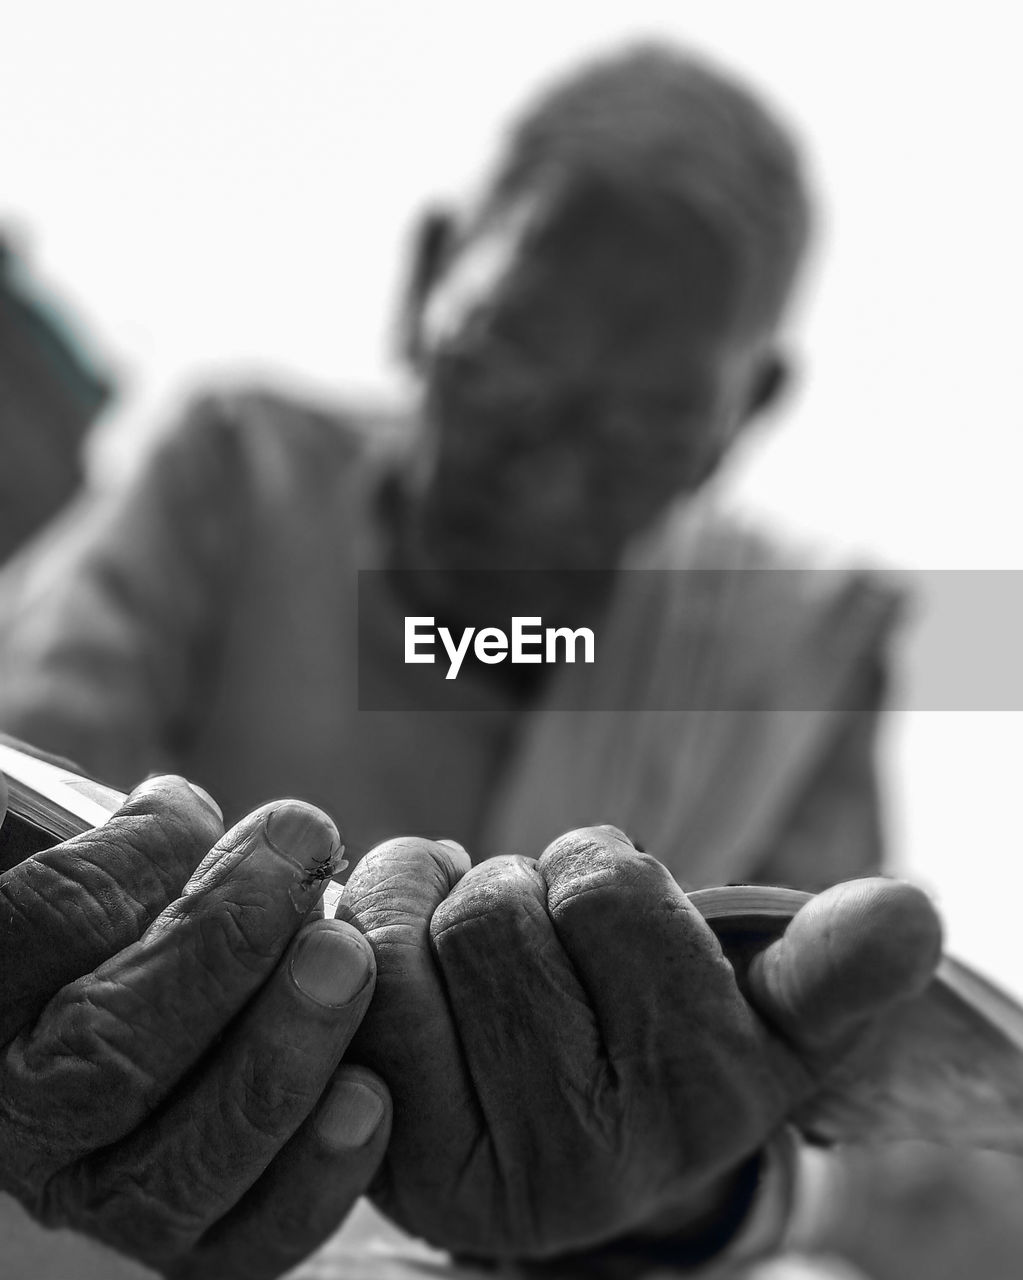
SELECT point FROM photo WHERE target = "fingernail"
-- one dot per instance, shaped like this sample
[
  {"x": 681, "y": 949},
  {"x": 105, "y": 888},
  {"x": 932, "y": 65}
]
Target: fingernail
[
  {"x": 461, "y": 857},
  {"x": 307, "y": 838},
  {"x": 158, "y": 781},
  {"x": 618, "y": 833},
  {"x": 351, "y": 1114},
  {"x": 331, "y": 964},
  {"x": 207, "y": 800},
  {"x": 302, "y": 833}
]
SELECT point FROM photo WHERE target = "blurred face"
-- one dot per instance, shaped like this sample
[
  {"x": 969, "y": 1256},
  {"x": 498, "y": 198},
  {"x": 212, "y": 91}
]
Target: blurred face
[{"x": 583, "y": 367}]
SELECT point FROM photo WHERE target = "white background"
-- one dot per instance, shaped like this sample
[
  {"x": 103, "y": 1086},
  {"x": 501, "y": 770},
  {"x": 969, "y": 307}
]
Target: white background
[{"x": 226, "y": 187}]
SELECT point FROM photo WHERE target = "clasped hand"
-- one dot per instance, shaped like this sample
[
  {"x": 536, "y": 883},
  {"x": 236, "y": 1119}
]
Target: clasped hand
[
  {"x": 572, "y": 1059},
  {"x": 171, "y": 1023}
]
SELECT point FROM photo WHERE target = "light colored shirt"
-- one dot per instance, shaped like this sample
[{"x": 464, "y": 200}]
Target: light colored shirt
[{"x": 203, "y": 620}]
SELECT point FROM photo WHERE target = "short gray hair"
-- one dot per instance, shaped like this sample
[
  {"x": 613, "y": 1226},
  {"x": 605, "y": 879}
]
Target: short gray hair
[{"x": 655, "y": 123}]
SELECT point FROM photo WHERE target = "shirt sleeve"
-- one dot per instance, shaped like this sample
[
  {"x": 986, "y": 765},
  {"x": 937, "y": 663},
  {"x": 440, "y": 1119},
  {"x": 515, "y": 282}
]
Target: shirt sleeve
[{"x": 110, "y": 624}]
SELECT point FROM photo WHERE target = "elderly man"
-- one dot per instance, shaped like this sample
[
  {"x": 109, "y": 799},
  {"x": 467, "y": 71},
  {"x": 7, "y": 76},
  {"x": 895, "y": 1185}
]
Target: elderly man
[{"x": 591, "y": 341}]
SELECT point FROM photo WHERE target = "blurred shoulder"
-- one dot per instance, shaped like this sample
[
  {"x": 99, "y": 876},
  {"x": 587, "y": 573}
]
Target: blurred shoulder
[
  {"x": 768, "y": 573},
  {"x": 249, "y": 442},
  {"x": 247, "y": 420}
]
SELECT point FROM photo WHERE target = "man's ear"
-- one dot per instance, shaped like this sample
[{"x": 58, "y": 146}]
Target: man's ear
[
  {"x": 430, "y": 250},
  {"x": 769, "y": 383}
]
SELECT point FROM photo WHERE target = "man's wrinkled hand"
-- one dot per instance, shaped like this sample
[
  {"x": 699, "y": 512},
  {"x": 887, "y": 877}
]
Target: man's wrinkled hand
[
  {"x": 171, "y": 1023},
  {"x": 572, "y": 1059}
]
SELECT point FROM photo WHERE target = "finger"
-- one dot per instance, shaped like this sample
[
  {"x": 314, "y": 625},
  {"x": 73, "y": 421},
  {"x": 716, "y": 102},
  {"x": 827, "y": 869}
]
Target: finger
[
  {"x": 532, "y": 1048},
  {"x": 849, "y": 953},
  {"x": 517, "y": 1003},
  {"x": 701, "y": 1084},
  {"x": 66, "y": 910},
  {"x": 651, "y": 966},
  {"x": 154, "y": 1194},
  {"x": 407, "y": 1036},
  {"x": 307, "y": 1192},
  {"x": 133, "y": 1028}
]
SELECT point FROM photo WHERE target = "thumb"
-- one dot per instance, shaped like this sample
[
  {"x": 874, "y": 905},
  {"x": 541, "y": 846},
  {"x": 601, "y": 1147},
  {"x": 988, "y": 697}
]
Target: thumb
[{"x": 853, "y": 951}]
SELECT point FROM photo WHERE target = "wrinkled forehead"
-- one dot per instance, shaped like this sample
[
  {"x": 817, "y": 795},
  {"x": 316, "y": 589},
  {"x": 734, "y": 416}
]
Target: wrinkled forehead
[{"x": 556, "y": 264}]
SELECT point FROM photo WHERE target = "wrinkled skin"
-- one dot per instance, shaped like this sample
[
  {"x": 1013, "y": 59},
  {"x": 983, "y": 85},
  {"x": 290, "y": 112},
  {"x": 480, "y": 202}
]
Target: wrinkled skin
[
  {"x": 165, "y": 1084},
  {"x": 571, "y": 1058}
]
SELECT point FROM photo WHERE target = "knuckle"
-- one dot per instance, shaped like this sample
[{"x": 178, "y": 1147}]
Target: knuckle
[
  {"x": 406, "y": 857},
  {"x": 400, "y": 883},
  {"x": 171, "y": 800},
  {"x": 124, "y": 1209},
  {"x": 502, "y": 890},
  {"x": 70, "y": 889},
  {"x": 588, "y": 871},
  {"x": 161, "y": 835},
  {"x": 580, "y": 844},
  {"x": 269, "y": 1095},
  {"x": 103, "y": 887},
  {"x": 237, "y": 935},
  {"x": 89, "y": 1051}
]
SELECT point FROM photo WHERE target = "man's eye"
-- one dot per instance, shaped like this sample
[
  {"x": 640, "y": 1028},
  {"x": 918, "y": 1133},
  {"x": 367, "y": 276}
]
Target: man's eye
[
  {"x": 666, "y": 424},
  {"x": 510, "y": 397}
]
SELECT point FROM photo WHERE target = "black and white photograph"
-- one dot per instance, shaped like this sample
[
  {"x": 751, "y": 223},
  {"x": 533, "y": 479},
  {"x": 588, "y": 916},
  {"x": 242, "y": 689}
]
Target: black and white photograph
[{"x": 511, "y": 641}]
